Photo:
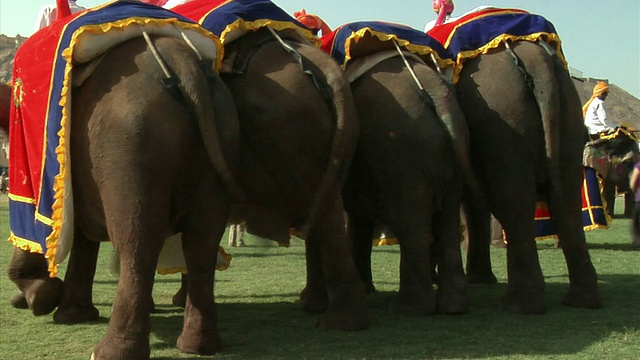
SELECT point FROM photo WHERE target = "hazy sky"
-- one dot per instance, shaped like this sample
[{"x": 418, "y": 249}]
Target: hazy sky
[{"x": 601, "y": 39}]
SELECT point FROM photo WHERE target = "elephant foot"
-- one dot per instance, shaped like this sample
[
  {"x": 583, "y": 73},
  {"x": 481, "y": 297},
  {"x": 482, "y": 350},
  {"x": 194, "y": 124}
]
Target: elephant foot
[
  {"x": 75, "y": 314},
  {"x": 583, "y": 298},
  {"x": 121, "y": 349},
  {"x": 180, "y": 298},
  {"x": 481, "y": 277},
  {"x": 452, "y": 302},
  {"x": 199, "y": 344},
  {"x": 19, "y": 301},
  {"x": 525, "y": 302},
  {"x": 44, "y": 295},
  {"x": 314, "y": 302},
  {"x": 414, "y": 307}
]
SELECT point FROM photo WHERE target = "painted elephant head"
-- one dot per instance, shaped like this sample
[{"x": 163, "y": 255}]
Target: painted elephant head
[{"x": 614, "y": 156}]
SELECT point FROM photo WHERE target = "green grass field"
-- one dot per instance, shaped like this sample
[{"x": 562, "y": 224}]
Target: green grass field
[{"x": 260, "y": 317}]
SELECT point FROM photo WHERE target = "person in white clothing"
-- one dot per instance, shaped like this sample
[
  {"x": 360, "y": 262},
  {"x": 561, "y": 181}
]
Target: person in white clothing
[
  {"x": 595, "y": 116},
  {"x": 48, "y": 13}
]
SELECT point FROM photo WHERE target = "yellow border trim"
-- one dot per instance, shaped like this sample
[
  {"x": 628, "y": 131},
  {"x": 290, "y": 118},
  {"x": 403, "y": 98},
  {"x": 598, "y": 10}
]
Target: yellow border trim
[
  {"x": 24, "y": 244},
  {"x": 412, "y": 48},
  {"x": 550, "y": 38},
  {"x": 57, "y": 217}
]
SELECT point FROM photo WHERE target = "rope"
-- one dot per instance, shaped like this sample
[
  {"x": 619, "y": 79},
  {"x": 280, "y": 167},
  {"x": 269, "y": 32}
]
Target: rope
[{"x": 155, "y": 53}]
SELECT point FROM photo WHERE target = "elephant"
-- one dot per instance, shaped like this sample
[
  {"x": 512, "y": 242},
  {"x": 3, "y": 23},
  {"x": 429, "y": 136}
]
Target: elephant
[
  {"x": 526, "y": 142},
  {"x": 408, "y": 168},
  {"x": 613, "y": 156},
  {"x": 406, "y": 173},
  {"x": 298, "y": 130},
  {"x": 133, "y": 185}
]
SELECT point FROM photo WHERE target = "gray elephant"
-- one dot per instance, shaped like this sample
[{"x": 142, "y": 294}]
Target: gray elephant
[
  {"x": 152, "y": 143},
  {"x": 526, "y": 142},
  {"x": 613, "y": 156},
  {"x": 408, "y": 168}
]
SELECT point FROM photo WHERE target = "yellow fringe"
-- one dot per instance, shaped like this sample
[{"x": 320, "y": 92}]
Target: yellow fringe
[
  {"x": 551, "y": 38},
  {"x": 276, "y": 25},
  {"x": 412, "y": 48},
  {"x": 61, "y": 149},
  {"x": 24, "y": 244},
  {"x": 385, "y": 241}
]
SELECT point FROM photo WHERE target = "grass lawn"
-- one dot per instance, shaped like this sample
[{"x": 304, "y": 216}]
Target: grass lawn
[{"x": 260, "y": 317}]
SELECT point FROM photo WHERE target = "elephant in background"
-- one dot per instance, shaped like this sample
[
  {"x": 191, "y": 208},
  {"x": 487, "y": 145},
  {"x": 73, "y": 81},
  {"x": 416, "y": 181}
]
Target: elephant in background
[
  {"x": 149, "y": 160},
  {"x": 614, "y": 156},
  {"x": 526, "y": 143}
]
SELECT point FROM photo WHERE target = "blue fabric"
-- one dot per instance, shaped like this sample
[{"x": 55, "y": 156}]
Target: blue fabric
[
  {"x": 477, "y": 33},
  {"x": 344, "y": 38},
  {"x": 247, "y": 10}
]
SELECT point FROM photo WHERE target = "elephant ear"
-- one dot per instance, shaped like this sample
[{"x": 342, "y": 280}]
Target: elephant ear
[{"x": 598, "y": 158}]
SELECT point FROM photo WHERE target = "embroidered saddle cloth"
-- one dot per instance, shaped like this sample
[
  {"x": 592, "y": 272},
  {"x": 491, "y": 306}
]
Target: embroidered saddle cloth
[
  {"x": 40, "y": 198},
  {"x": 478, "y": 32}
]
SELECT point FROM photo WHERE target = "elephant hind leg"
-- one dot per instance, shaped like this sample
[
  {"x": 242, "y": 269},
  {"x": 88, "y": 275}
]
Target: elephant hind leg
[
  {"x": 564, "y": 207},
  {"x": 360, "y": 231},
  {"x": 451, "y": 297},
  {"x": 203, "y": 230},
  {"x": 347, "y": 308}
]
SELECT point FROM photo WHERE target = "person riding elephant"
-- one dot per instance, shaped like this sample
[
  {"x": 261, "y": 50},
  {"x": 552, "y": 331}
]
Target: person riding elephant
[
  {"x": 595, "y": 116},
  {"x": 408, "y": 168},
  {"x": 526, "y": 142}
]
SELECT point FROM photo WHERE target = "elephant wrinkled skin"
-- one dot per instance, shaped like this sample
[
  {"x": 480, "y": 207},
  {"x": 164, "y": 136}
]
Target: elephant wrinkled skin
[
  {"x": 407, "y": 172},
  {"x": 147, "y": 162},
  {"x": 526, "y": 144}
]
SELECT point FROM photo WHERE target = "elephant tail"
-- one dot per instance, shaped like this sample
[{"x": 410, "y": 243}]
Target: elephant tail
[
  {"x": 218, "y": 124},
  {"x": 542, "y": 77},
  {"x": 336, "y": 91}
]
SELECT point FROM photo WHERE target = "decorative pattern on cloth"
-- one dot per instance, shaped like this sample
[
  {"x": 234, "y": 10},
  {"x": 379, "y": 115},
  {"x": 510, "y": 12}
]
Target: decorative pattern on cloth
[
  {"x": 481, "y": 31},
  {"x": 594, "y": 215},
  {"x": 40, "y": 198},
  {"x": 230, "y": 19},
  {"x": 362, "y": 38}
]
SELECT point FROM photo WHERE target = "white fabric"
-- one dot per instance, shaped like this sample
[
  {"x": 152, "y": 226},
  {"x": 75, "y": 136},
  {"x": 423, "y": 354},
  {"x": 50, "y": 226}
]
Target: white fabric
[
  {"x": 596, "y": 118},
  {"x": 173, "y": 3},
  {"x": 48, "y": 13}
]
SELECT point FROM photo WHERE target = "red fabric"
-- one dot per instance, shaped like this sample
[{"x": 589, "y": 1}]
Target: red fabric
[
  {"x": 32, "y": 85},
  {"x": 63, "y": 9},
  {"x": 442, "y": 32},
  {"x": 195, "y": 10},
  {"x": 155, "y": 2}
]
